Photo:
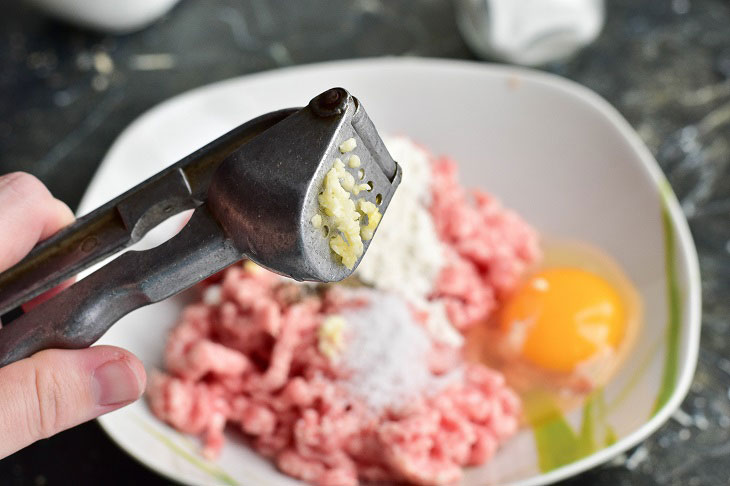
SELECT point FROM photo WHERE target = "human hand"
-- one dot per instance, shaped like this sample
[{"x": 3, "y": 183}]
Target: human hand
[{"x": 52, "y": 390}]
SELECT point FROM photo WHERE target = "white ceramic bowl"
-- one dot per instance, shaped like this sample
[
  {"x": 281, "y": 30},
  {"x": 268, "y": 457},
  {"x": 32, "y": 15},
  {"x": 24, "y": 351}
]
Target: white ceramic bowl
[{"x": 551, "y": 149}]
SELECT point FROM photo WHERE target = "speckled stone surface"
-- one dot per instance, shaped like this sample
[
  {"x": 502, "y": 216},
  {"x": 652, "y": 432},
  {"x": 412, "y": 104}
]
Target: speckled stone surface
[{"x": 664, "y": 64}]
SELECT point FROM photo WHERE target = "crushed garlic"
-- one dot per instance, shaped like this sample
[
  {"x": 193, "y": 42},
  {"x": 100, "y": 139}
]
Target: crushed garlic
[
  {"x": 336, "y": 203},
  {"x": 374, "y": 216},
  {"x": 348, "y": 145},
  {"x": 359, "y": 188},
  {"x": 354, "y": 161},
  {"x": 346, "y": 217},
  {"x": 330, "y": 336}
]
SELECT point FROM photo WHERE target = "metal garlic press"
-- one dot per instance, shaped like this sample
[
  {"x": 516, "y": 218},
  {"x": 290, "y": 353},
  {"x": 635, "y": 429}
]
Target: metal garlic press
[{"x": 254, "y": 191}]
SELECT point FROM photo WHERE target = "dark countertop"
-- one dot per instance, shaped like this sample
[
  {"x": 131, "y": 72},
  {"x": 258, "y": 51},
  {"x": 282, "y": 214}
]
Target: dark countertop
[{"x": 664, "y": 65}]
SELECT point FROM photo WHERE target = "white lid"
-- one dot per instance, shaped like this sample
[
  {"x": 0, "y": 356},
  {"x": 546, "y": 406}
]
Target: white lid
[{"x": 530, "y": 32}]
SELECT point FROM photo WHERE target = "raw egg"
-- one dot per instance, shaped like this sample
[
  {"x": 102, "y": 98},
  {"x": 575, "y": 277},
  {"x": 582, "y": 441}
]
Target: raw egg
[
  {"x": 576, "y": 316},
  {"x": 566, "y": 328},
  {"x": 562, "y": 317}
]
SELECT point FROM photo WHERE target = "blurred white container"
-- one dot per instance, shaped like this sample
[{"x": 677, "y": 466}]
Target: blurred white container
[
  {"x": 114, "y": 16},
  {"x": 529, "y": 32}
]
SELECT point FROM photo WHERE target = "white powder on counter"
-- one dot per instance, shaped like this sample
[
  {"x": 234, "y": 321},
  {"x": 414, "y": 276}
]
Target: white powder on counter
[
  {"x": 406, "y": 255},
  {"x": 386, "y": 352}
]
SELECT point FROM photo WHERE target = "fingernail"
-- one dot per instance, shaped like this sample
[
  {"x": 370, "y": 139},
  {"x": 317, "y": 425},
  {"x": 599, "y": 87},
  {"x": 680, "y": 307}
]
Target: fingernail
[{"x": 115, "y": 382}]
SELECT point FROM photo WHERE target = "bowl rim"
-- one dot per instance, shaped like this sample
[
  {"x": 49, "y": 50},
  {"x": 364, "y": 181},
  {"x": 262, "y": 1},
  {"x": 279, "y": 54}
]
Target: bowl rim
[{"x": 690, "y": 318}]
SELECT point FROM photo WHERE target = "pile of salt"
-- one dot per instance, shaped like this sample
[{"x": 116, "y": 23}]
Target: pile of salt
[{"x": 386, "y": 354}]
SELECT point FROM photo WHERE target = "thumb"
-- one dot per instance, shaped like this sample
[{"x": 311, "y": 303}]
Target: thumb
[{"x": 57, "y": 389}]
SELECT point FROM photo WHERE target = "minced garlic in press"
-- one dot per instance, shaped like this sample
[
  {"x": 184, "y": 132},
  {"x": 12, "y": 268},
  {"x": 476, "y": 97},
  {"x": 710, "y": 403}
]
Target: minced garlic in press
[
  {"x": 348, "y": 145},
  {"x": 349, "y": 221}
]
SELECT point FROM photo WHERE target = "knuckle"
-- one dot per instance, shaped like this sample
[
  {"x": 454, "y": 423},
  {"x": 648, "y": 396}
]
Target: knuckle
[
  {"x": 25, "y": 185},
  {"x": 46, "y": 410}
]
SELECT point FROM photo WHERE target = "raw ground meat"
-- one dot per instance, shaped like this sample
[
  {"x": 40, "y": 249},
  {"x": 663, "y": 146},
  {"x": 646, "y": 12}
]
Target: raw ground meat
[
  {"x": 246, "y": 355},
  {"x": 489, "y": 247}
]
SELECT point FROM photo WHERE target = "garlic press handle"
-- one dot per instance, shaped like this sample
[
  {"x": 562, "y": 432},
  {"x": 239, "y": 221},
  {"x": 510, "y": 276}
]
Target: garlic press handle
[
  {"x": 124, "y": 220},
  {"x": 81, "y": 314}
]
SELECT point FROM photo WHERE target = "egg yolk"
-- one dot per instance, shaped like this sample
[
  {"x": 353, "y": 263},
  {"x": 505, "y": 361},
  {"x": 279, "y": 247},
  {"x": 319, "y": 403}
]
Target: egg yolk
[{"x": 562, "y": 317}]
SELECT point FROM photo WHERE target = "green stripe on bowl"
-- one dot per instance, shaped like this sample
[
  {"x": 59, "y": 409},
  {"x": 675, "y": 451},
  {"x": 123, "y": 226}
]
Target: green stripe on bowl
[
  {"x": 671, "y": 357},
  {"x": 556, "y": 442},
  {"x": 212, "y": 470}
]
